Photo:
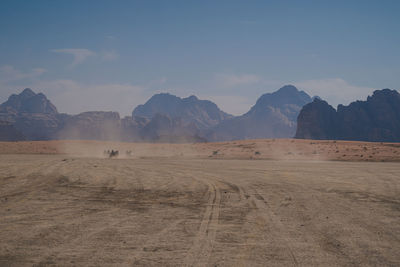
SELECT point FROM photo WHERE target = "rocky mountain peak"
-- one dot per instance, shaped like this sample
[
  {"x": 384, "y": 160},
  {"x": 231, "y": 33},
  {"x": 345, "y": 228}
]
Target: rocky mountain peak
[
  {"x": 27, "y": 93},
  {"x": 202, "y": 113},
  {"x": 287, "y": 89},
  {"x": 273, "y": 116},
  {"x": 376, "y": 119},
  {"x": 288, "y": 94},
  {"x": 28, "y": 102},
  {"x": 191, "y": 98}
]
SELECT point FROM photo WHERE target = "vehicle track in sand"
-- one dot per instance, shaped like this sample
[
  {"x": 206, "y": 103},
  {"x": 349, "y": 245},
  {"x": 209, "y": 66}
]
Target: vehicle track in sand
[
  {"x": 269, "y": 216},
  {"x": 65, "y": 211},
  {"x": 201, "y": 249}
]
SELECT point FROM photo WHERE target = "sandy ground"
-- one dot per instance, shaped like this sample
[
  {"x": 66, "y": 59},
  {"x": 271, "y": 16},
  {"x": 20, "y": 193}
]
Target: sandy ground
[
  {"x": 62, "y": 204},
  {"x": 272, "y": 149}
]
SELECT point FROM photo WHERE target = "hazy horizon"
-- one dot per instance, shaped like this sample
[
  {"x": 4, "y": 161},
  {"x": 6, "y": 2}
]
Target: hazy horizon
[{"x": 103, "y": 55}]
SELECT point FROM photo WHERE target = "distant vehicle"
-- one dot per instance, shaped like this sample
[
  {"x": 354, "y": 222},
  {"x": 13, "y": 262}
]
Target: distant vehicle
[{"x": 111, "y": 154}]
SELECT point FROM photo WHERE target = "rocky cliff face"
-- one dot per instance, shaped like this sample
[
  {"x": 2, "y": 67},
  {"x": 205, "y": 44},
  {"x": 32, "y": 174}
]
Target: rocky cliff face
[
  {"x": 190, "y": 110},
  {"x": 273, "y": 116},
  {"x": 31, "y": 114},
  {"x": 132, "y": 127},
  {"x": 9, "y": 133},
  {"x": 28, "y": 102},
  {"x": 37, "y": 126},
  {"x": 317, "y": 120},
  {"x": 162, "y": 128},
  {"x": 376, "y": 119}
]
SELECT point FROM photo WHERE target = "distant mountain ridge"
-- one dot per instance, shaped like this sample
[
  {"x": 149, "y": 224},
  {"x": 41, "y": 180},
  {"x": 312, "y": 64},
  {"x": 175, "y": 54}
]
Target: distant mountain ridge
[
  {"x": 164, "y": 117},
  {"x": 32, "y": 116},
  {"x": 376, "y": 119},
  {"x": 273, "y": 116},
  {"x": 202, "y": 113},
  {"x": 28, "y": 102}
]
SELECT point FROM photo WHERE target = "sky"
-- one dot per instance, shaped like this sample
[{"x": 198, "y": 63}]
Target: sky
[{"x": 113, "y": 55}]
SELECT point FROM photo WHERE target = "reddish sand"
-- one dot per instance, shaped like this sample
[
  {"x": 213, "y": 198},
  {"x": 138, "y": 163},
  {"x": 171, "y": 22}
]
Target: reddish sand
[{"x": 276, "y": 149}]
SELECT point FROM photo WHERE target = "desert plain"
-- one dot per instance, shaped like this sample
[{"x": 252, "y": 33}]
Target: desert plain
[{"x": 280, "y": 202}]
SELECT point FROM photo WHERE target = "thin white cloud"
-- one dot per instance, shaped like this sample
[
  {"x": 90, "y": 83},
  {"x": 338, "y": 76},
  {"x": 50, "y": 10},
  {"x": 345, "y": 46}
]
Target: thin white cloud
[
  {"x": 335, "y": 90},
  {"x": 79, "y": 54},
  {"x": 109, "y": 55},
  {"x": 232, "y": 80},
  {"x": 74, "y": 97},
  {"x": 11, "y": 80},
  {"x": 156, "y": 83},
  {"x": 9, "y": 73}
]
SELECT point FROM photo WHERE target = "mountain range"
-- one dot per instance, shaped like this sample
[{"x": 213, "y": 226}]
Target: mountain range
[
  {"x": 164, "y": 117},
  {"x": 376, "y": 119},
  {"x": 202, "y": 113},
  {"x": 273, "y": 116}
]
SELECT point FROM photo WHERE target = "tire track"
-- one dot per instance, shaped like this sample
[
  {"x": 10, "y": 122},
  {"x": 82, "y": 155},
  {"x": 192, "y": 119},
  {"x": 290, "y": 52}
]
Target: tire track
[
  {"x": 201, "y": 249},
  {"x": 269, "y": 215}
]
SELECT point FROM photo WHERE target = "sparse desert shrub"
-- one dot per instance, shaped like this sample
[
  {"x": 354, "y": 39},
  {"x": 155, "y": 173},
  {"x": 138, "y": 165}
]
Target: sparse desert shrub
[
  {"x": 257, "y": 153},
  {"x": 215, "y": 152}
]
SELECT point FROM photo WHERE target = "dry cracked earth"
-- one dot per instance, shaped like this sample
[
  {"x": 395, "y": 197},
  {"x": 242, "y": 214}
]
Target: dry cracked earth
[{"x": 64, "y": 210}]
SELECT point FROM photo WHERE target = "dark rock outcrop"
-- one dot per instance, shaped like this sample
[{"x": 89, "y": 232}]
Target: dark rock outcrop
[
  {"x": 37, "y": 126},
  {"x": 190, "y": 110},
  {"x": 31, "y": 114},
  {"x": 28, "y": 102},
  {"x": 317, "y": 120},
  {"x": 376, "y": 119},
  {"x": 162, "y": 128},
  {"x": 9, "y": 133},
  {"x": 273, "y": 116},
  {"x": 131, "y": 128}
]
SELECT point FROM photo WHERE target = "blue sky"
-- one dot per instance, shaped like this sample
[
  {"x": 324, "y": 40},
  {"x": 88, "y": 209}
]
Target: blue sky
[{"x": 113, "y": 55}]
